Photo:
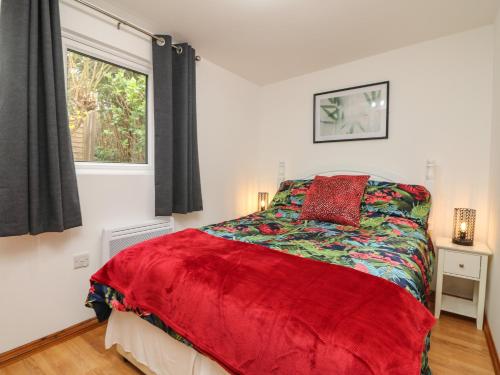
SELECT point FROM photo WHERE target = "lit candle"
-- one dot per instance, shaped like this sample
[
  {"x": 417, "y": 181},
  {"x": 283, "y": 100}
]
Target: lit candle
[
  {"x": 262, "y": 201},
  {"x": 463, "y": 230},
  {"x": 463, "y": 226}
]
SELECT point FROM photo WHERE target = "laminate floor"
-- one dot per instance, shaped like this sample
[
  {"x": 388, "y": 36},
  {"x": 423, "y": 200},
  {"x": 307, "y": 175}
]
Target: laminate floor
[{"x": 456, "y": 348}]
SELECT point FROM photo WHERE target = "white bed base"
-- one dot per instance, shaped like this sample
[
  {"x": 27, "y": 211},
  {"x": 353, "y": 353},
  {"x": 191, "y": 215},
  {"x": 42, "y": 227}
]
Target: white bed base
[
  {"x": 154, "y": 352},
  {"x": 130, "y": 358}
]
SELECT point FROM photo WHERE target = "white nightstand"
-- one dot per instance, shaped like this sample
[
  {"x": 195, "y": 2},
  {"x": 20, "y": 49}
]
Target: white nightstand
[{"x": 467, "y": 262}]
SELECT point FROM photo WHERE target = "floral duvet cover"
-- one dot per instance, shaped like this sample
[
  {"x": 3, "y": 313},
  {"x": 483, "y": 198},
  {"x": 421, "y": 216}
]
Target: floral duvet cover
[{"x": 387, "y": 244}]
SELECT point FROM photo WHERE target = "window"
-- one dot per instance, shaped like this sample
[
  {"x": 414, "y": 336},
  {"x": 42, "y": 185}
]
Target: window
[{"x": 107, "y": 107}]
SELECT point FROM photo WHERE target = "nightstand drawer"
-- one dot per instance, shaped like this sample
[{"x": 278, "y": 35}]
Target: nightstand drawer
[{"x": 462, "y": 264}]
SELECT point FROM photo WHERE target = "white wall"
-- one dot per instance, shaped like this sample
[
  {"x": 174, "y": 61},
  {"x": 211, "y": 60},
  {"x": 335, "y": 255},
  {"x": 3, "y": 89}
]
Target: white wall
[
  {"x": 40, "y": 293},
  {"x": 493, "y": 300},
  {"x": 440, "y": 109}
]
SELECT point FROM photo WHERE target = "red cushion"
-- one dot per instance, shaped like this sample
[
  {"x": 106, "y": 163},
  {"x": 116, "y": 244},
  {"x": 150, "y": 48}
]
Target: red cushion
[{"x": 336, "y": 199}]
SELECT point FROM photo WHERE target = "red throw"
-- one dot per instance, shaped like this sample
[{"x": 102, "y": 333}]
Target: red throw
[{"x": 259, "y": 311}]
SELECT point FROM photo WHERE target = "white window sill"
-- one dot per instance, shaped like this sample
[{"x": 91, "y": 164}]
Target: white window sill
[{"x": 83, "y": 168}]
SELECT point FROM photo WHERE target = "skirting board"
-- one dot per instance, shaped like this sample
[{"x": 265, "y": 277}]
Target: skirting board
[
  {"x": 491, "y": 346},
  {"x": 26, "y": 350}
]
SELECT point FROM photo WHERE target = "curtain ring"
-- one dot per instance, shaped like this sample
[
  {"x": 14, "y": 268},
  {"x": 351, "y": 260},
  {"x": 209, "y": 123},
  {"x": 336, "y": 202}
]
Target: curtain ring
[
  {"x": 160, "y": 42},
  {"x": 179, "y": 50}
]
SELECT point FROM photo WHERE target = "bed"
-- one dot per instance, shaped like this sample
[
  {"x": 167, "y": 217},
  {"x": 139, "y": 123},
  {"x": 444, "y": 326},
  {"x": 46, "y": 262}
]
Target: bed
[{"x": 391, "y": 243}]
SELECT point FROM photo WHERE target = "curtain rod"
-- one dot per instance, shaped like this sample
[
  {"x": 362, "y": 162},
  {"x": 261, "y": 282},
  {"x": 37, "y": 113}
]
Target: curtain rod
[{"x": 159, "y": 40}]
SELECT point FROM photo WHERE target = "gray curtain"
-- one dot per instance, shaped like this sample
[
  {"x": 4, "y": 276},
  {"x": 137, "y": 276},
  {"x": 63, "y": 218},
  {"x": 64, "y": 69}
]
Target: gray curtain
[
  {"x": 38, "y": 191},
  {"x": 177, "y": 172}
]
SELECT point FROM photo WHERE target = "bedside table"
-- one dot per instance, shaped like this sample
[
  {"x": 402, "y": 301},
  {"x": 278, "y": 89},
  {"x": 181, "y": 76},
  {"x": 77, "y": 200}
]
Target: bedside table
[{"x": 466, "y": 262}]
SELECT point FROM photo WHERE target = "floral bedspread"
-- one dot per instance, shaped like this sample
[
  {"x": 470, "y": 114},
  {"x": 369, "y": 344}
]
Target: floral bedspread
[{"x": 392, "y": 247}]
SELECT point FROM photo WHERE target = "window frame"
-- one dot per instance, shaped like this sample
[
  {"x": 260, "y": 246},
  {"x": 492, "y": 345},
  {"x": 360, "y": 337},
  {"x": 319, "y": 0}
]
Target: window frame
[{"x": 109, "y": 55}]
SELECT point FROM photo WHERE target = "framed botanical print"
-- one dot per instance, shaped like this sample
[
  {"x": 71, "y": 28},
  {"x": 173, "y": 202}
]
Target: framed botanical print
[{"x": 352, "y": 114}]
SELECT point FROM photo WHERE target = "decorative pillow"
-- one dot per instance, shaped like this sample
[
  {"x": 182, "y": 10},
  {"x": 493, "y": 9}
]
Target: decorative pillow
[
  {"x": 291, "y": 193},
  {"x": 336, "y": 199},
  {"x": 389, "y": 198}
]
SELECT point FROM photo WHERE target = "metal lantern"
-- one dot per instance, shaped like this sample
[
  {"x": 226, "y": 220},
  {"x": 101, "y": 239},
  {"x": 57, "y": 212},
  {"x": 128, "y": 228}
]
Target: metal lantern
[
  {"x": 463, "y": 226},
  {"x": 263, "y": 201}
]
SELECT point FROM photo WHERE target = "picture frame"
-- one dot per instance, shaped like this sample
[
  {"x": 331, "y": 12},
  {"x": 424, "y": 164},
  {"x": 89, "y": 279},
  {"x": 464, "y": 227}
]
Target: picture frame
[{"x": 352, "y": 114}]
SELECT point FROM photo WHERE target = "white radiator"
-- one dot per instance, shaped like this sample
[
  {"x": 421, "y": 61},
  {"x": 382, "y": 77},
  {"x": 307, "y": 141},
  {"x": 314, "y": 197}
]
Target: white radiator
[{"x": 115, "y": 240}]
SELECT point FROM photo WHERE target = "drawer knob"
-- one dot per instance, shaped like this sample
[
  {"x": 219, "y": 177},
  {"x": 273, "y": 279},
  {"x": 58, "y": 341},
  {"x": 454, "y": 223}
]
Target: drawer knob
[{"x": 461, "y": 265}]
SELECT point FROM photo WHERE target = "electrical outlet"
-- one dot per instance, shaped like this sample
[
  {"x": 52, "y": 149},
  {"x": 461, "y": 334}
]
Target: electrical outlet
[{"x": 80, "y": 261}]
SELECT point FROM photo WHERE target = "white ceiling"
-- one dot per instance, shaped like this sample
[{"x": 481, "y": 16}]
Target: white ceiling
[{"x": 270, "y": 40}]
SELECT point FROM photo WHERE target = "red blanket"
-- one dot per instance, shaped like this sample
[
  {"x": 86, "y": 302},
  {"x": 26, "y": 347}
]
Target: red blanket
[{"x": 259, "y": 311}]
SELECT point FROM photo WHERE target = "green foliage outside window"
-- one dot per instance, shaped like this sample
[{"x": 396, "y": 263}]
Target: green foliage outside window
[{"x": 107, "y": 111}]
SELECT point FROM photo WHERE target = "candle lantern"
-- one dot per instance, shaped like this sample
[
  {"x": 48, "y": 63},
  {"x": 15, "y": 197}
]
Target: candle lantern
[
  {"x": 463, "y": 226},
  {"x": 263, "y": 201}
]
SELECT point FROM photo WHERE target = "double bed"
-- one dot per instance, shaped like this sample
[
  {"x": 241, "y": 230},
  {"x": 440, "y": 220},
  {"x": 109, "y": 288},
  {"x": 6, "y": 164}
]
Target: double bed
[{"x": 391, "y": 243}]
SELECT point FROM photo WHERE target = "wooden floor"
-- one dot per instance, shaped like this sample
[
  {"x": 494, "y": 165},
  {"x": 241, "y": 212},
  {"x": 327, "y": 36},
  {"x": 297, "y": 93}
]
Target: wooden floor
[{"x": 457, "y": 348}]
